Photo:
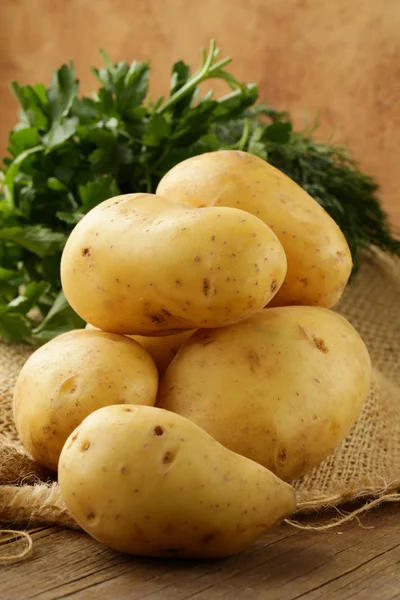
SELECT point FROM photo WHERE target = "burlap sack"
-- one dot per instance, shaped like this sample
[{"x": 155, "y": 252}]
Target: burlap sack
[{"x": 367, "y": 464}]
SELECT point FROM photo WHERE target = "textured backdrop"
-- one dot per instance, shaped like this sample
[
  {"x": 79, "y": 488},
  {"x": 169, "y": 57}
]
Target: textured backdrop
[{"x": 339, "y": 59}]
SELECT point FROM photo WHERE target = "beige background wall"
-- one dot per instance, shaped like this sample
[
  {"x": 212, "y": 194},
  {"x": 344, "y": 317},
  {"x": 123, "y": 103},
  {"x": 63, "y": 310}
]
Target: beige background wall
[{"x": 337, "y": 58}]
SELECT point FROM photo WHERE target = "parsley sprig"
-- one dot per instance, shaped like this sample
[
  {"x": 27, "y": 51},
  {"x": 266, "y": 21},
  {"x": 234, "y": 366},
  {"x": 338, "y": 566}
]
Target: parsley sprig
[{"x": 68, "y": 152}]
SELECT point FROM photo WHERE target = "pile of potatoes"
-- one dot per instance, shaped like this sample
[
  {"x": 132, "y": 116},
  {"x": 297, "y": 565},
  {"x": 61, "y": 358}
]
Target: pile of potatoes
[{"x": 212, "y": 371}]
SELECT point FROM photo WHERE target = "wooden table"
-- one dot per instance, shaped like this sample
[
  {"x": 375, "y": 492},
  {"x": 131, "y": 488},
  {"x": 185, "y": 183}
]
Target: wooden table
[{"x": 352, "y": 561}]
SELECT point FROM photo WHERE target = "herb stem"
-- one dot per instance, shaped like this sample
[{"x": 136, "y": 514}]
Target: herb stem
[
  {"x": 206, "y": 72},
  {"x": 245, "y": 135}
]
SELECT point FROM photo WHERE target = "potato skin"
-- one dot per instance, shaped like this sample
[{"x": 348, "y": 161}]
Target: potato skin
[
  {"x": 319, "y": 259},
  {"x": 70, "y": 377},
  {"x": 140, "y": 264},
  {"x": 164, "y": 487},
  {"x": 282, "y": 387},
  {"x": 162, "y": 348}
]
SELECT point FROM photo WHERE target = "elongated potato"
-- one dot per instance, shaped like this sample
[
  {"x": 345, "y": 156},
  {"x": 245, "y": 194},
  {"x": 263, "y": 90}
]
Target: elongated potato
[
  {"x": 139, "y": 264},
  {"x": 70, "y": 377},
  {"x": 145, "y": 481},
  {"x": 319, "y": 260},
  {"x": 162, "y": 348},
  {"x": 282, "y": 387}
]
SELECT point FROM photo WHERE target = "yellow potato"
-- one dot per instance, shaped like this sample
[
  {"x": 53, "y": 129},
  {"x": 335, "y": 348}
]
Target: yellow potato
[
  {"x": 164, "y": 487},
  {"x": 70, "y": 377},
  {"x": 319, "y": 260},
  {"x": 162, "y": 348},
  {"x": 282, "y": 387},
  {"x": 139, "y": 264}
]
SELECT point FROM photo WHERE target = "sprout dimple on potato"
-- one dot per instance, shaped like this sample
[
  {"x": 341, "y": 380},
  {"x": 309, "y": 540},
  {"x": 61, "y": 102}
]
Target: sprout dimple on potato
[
  {"x": 282, "y": 387},
  {"x": 71, "y": 376},
  {"x": 160, "y": 497},
  {"x": 142, "y": 275}
]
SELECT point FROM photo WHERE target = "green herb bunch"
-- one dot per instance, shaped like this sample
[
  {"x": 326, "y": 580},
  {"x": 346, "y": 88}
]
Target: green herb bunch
[{"x": 69, "y": 152}]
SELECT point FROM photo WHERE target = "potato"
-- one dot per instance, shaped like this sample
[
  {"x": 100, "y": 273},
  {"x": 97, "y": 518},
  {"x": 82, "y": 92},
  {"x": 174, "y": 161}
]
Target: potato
[
  {"x": 139, "y": 264},
  {"x": 319, "y": 260},
  {"x": 70, "y": 377},
  {"x": 282, "y": 387},
  {"x": 162, "y": 348},
  {"x": 164, "y": 487}
]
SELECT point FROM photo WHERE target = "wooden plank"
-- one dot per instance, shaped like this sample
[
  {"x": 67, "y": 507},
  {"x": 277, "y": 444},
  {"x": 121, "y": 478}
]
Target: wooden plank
[{"x": 287, "y": 564}]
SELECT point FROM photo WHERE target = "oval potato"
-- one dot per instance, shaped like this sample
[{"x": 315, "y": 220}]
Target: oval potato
[
  {"x": 162, "y": 348},
  {"x": 282, "y": 387},
  {"x": 140, "y": 264},
  {"x": 319, "y": 259},
  {"x": 70, "y": 377},
  {"x": 164, "y": 487}
]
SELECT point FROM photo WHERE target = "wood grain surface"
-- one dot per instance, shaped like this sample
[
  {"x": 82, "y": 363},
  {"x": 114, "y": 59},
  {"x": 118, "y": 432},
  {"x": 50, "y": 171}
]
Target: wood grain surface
[
  {"x": 337, "y": 60},
  {"x": 357, "y": 561}
]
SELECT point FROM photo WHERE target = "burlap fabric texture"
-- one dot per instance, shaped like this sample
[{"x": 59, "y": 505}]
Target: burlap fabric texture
[{"x": 366, "y": 465}]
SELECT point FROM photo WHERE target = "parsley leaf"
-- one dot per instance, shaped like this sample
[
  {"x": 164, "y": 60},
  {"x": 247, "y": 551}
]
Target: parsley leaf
[{"x": 68, "y": 152}]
